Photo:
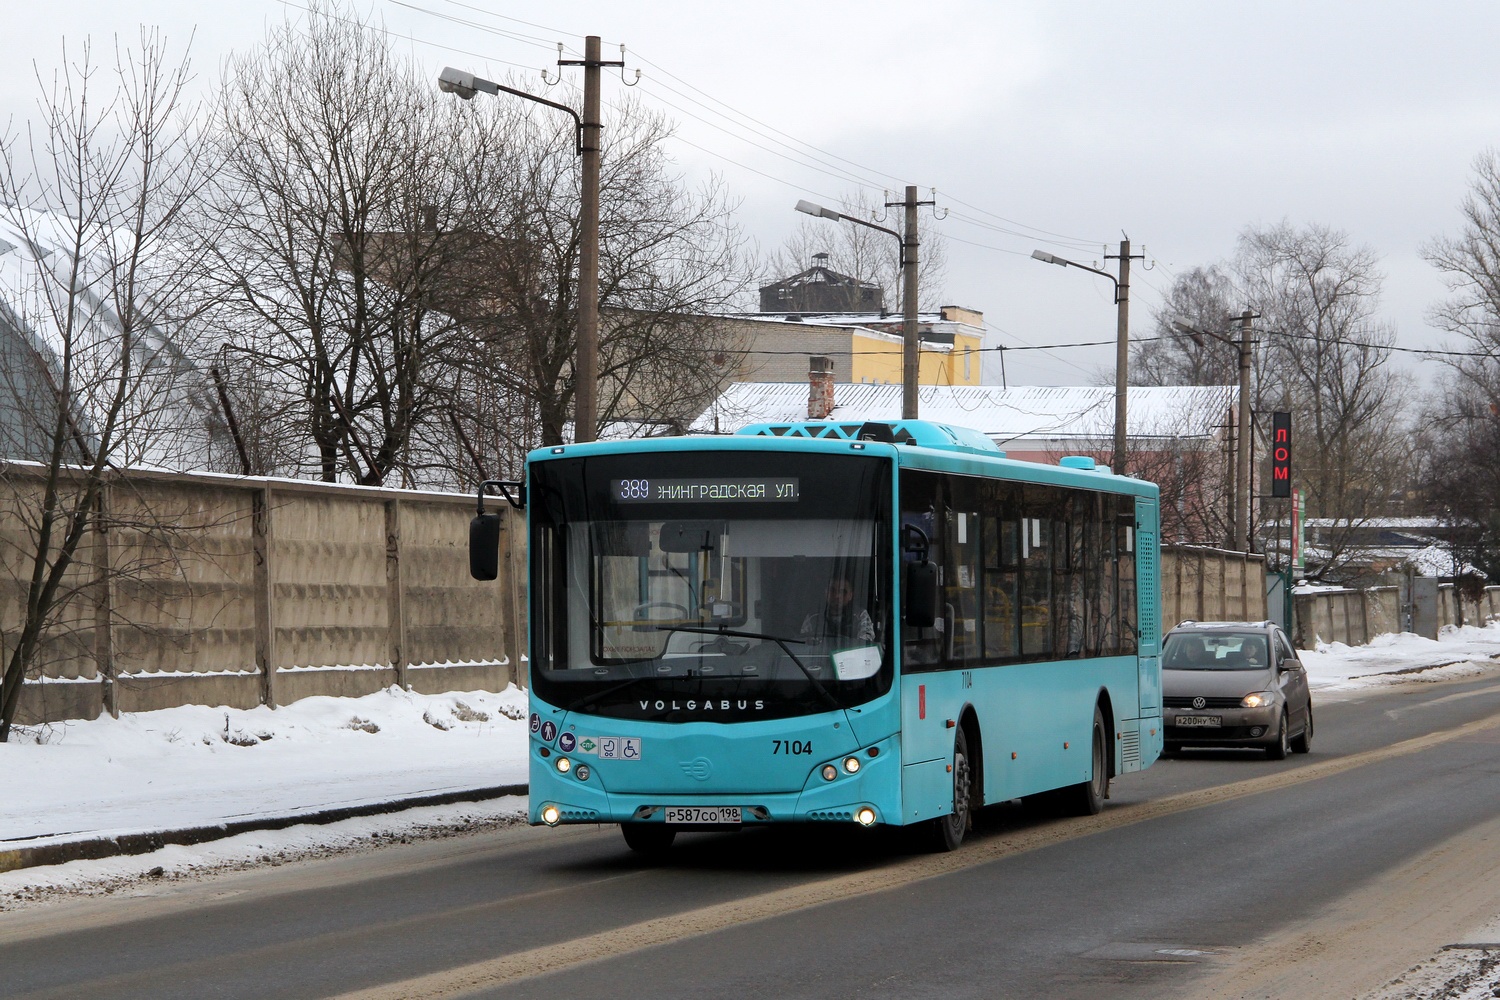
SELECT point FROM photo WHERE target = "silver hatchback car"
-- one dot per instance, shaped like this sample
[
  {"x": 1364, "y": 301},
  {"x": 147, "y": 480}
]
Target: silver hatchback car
[{"x": 1234, "y": 684}]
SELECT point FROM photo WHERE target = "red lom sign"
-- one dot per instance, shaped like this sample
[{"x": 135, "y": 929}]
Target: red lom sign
[{"x": 1281, "y": 454}]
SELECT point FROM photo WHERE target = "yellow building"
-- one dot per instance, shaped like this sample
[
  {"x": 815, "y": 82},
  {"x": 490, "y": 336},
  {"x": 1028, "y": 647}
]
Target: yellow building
[
  {"x": 775, "y": 347},
  {"x": 950, "y": 352}
]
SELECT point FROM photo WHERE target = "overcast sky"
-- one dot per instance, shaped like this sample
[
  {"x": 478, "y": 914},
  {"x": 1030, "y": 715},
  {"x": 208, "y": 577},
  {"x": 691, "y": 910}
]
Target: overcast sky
[{"x": 1179, "y": 124}]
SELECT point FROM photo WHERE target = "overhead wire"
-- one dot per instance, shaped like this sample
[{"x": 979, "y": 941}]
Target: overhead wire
[
  {"x": 400, "y": 37},
  {"x": 796, "y": 150},
  {"x": 768, "y": 133}
]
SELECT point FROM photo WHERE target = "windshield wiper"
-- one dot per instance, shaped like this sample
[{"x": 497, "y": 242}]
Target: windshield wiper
[{"x": 736, "y": 634}]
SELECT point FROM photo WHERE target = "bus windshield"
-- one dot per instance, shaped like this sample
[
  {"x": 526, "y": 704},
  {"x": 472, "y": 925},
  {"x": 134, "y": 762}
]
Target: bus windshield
[{"x": 711, "y": 586}]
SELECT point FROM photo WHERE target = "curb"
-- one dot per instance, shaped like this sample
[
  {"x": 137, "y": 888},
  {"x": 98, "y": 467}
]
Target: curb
[{"x": 94, "y": 848}]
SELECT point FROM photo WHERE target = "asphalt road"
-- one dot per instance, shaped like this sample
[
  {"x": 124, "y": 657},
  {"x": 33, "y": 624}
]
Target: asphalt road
[{"x": 1218, "y": 874}]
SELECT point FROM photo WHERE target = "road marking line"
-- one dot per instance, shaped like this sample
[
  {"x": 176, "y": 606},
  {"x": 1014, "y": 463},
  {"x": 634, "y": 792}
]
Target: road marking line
[{"x": 495, "y": 972}]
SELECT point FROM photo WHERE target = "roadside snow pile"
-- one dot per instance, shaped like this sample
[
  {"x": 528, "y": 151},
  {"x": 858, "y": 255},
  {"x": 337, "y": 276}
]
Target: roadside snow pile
[
  {"x": 195, "y": 765},
  {"x": 1403, "y": 658},
  {"x": 154, "y": 873}
]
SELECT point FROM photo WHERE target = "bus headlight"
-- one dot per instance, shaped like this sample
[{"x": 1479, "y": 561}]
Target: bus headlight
[
  {"x": 830, "y": 772},
  {"x": 865, "y": 816},
  {"x": 550, "y": 814},
  {"x": 582, "y": 772},
  {"x": 851, "y": 764},
  {"x": 564, "y": 765}
]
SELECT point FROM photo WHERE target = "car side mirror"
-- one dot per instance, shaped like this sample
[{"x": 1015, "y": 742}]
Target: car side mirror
[{"x": 1291, "y": 663}]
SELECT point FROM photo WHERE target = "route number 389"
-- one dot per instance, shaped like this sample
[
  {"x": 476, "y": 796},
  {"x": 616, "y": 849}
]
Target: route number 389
[
  {"x": 635, "y": 489},
  {"x": 791, "y": 746}
]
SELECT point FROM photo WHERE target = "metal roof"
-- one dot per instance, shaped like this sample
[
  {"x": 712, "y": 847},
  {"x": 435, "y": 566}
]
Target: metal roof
[{"x": 1005, "y": 415}]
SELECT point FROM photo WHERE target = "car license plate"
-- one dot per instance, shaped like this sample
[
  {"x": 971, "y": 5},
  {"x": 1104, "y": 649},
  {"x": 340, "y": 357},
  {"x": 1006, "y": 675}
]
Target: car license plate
[
  {"x": 1200, "y": 721},
  {"x": 702, "y": 815}
]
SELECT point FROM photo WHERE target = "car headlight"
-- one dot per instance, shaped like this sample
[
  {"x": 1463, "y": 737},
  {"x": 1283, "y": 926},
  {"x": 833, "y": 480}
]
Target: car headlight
[{"x": 1259, "y": 699}]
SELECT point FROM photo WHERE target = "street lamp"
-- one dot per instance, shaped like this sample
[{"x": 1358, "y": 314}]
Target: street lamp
[
  {"x": 1243, "y": 456},
  {"x": 465, "y": 86},
  {"x": 911, "y": 345},
  {"x": 1122, "y": 338}
]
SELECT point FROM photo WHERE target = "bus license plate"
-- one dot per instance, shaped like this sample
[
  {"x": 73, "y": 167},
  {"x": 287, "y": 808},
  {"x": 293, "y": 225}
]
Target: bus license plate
[
  {"x": 1199, "y": 721},
  {"x": 702, "y": 815}
]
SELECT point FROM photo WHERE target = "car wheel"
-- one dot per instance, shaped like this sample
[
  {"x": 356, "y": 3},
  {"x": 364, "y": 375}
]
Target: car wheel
[
  {"x": 1303, "y": 742},
  {"x": 651, "y": 839},
  {"x": 945, "y": 833},
  {"x": 1087, "y": 797},
  {"x": 1282, "y": 746}
]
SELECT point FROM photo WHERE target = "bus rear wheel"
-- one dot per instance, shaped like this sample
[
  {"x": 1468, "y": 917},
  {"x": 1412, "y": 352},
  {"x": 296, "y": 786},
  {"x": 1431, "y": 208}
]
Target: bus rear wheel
[
  {"x": 945, "y": 833},
  {"x": 648, "y": 838},
  {"x": 1087, "y": 797}
]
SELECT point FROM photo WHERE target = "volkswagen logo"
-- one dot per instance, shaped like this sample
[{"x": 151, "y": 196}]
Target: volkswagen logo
[
  {"x": 1199, "y": 702},
  {"x": 699, "y": 769}
]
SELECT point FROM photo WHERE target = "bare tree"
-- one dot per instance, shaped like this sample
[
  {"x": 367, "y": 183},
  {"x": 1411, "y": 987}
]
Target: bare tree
[
  {"x": 338, "y": 170},
  {"x": 671, "y": 262},
  {"x": 93, "y": 192},
  {"x": 1328, "y": 354},
  {"x": 867, "y": 255},
  {"x": 1470, "y": 264},
  {"x": 1201, "y": 299},
  {"x": 1458, "y": 479},
  {"x": 1322, "y": 353}
]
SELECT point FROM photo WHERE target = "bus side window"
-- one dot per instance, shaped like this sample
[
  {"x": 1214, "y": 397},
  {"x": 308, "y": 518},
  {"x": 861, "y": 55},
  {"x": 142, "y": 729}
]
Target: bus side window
[
  {"x": 1002, "y": 547},
  {"x": 961, "y": 583},
  {"x": 922, "y": 648},
  {"x": 1036, "y": 571},
  {"x": 1125, "y": 546}
]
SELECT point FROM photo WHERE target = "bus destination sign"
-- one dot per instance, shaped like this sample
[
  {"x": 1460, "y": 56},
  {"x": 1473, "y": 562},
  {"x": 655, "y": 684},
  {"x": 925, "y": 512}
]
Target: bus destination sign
[{"x": 705, "y": 490}]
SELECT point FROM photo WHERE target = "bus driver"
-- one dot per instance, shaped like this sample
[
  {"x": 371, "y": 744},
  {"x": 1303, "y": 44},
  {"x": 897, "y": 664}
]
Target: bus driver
[{"x": 840, "y": 619}]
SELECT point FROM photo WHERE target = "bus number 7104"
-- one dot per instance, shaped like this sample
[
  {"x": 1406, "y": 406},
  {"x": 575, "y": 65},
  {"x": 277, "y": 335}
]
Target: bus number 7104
[{"x": 791, "y": 746}]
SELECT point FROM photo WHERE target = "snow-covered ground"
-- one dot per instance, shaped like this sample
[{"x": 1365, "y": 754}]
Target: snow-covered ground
[
  {"x": 1335, "y": 668},
  {"x": 195, "y": 765}
]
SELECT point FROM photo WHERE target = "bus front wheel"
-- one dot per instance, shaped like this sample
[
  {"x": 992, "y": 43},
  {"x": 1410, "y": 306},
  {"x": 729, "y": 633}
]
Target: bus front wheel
[
  {"x": 648, "y": 838},
  {"x": 945, "y": 833}
]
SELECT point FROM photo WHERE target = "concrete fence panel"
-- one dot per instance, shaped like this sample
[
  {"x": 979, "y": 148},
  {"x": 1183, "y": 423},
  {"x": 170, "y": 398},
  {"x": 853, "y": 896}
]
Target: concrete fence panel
[
  {"x": 195, "y": 589},
  {"x": 1205, "y": 584}
]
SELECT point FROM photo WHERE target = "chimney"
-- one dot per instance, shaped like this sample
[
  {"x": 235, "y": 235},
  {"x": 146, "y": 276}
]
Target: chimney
[{"x": 819, "y": 388}]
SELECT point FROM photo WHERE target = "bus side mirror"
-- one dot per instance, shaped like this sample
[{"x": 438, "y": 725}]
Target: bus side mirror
[
  {"x": 919, "y": 594},
  {"x": 484, "y": 547}
]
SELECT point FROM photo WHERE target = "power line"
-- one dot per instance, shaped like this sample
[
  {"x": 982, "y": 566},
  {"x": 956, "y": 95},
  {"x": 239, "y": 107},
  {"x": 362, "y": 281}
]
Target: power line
[
  {"x": 1490, "y": 355},
  {"x": 515, "y": 36},
  {"x": 397, "y": 37},
  {"x": 859, "y": 176},
  {"x": 896, "y": 350}
]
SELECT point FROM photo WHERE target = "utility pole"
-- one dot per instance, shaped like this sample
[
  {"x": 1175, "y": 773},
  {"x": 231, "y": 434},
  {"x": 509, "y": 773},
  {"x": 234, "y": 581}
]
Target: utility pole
[
  {"x": 911, "y": 342},
  {"x": 1242, "y": 474},
  {"x": 1239, "y": 513},
  {"x": 586, "y": 373},
  {"x": 1122, "y": 353},
  {"x": 586, "y": 366}
]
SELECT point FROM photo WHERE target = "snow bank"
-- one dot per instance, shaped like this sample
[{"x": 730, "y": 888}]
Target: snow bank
[
  {"x": 195, "y": 765},
  {"x": 1392, "y": 658}
]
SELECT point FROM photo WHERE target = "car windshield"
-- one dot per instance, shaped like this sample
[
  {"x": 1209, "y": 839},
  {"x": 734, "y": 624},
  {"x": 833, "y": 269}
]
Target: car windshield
[
  {"x": 1215, "y": 651},
  {"x": 670, "y": 586}
]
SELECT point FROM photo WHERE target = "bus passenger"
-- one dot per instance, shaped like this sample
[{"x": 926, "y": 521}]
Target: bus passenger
[{"x": 840, "y": 620}]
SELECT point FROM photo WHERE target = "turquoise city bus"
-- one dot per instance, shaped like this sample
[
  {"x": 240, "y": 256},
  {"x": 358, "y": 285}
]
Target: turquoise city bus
[{"x": 872, "y": 624}]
